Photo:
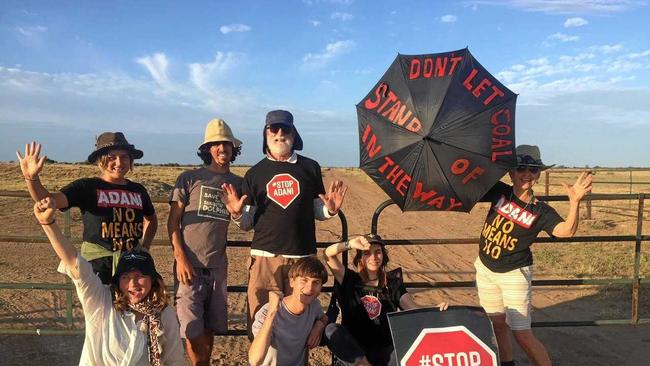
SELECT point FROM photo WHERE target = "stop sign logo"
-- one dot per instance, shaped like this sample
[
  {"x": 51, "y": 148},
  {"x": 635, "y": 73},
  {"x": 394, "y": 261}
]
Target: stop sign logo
[
  {"x": 283, "y": 189},
  {"x": 449, "y": 346}
]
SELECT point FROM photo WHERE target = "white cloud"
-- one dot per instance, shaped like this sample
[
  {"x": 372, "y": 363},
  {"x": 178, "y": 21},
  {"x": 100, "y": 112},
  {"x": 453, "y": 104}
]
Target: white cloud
[
  {"x": 31, "y": 30},
  {"x": 448, "y": 18},
  {"x": 567, "y": 6},
  {"x": 594, "y": 68},
  {"x": 639, "y": 54},
  {"x": 342, "y": 16},
  {"x": 331, "y": 51},
  {"x": 608, "y": 48},
  {"x": 575, "y": 22},
  {"x": 236, "y": 28},
  {"x": 563, "y": 37},
  {"x": 202, "y": 75},
  {"x": 157, "y": 66},
  {"x": 315, "y": 23}
]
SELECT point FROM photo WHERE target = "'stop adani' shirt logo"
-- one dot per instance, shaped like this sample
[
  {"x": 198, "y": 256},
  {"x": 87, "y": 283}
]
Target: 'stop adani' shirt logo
[
  {"x": 513, "y": 212},
  {"x": 118, "y": 198},
  {"x": 283, "y": 189}
]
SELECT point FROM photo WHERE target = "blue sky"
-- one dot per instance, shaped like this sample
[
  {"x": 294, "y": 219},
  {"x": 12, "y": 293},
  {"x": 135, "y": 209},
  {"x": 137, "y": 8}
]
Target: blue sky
[{"x": 158, "y": 71}]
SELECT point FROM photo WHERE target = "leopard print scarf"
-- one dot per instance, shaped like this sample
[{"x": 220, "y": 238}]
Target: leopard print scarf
[{"x": 152, "y": 322}]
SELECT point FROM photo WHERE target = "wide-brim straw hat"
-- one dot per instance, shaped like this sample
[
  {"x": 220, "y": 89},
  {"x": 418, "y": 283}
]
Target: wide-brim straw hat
[
  {"x": 110, "y": 141},
  {"x": 218, "y": 130}
]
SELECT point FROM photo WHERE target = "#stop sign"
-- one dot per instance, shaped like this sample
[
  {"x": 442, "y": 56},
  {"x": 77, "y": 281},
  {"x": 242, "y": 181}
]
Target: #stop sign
[
  {"x": 283, "y": 189},
  {"x": 448, "y": 346}
]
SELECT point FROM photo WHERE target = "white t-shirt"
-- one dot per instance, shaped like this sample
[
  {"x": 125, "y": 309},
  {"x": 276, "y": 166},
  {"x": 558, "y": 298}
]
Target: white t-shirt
[{"x": 113, "y": 337}]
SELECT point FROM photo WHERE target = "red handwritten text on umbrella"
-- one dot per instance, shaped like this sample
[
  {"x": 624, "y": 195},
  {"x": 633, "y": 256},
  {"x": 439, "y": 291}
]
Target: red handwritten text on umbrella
[
  {"x": 397, "y": 113},
  {"x": 501, "y": 120},
  {"x": 478, "y": 90},
  {"x": 401, "y": 180},
  {"x": 428, "y": 70}
]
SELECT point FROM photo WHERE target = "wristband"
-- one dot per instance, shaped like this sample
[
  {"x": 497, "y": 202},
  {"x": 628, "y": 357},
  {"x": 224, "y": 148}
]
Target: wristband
[
  {"x": 347, "y": 245},
  {"x": 31, "y": 179},
  {"x": 47, "y": 223}
]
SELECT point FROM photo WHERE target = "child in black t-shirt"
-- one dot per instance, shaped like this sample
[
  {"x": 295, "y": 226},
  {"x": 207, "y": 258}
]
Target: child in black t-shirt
[
  {"x": 118, "y": 214},
  {"x": 365, "y": 298}
]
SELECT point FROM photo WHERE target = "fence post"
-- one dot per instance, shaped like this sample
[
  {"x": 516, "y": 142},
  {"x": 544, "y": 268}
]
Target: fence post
[
  {"x": 588, "y": 214},
  {"x": 636, "y": 284},
  {"x": 629, "y": 202},
  {"x": 546, "y": 182}
]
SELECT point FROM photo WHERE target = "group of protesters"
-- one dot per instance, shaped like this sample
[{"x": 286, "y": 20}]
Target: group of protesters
[{"x": 128, "y": 317}]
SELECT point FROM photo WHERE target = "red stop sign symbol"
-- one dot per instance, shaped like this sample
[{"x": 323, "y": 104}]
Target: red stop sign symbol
[
  {"x": 283, "y": 189},
  {"x": 449, "y": 346}
]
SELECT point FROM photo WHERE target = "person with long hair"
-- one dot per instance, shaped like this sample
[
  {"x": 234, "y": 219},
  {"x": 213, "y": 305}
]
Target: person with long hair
[
  {"x": 198, "y": 229},
  {"x": 117, "y": 213},
  {"x": 365, "y": 297},
  {"x": 129, "y": 321},
  {"x": 504, "y": 264}
]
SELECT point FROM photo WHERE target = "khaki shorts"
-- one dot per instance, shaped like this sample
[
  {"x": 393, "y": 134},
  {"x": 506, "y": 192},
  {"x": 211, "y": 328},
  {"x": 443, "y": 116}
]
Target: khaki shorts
[
  {"x": 203, "y": 305},
  {"x": 266, "y": 274},
  {"x": 508, "y": 293}
]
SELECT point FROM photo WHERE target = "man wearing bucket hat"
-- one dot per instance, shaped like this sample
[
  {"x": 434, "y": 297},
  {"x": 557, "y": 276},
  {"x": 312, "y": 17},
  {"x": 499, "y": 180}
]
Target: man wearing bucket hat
[
  {"x": 504, "y": 264},
  {"x": 282, "y": 195},
  {"x": 118, "y": 214},
  {"x": 198, "y": 226}
]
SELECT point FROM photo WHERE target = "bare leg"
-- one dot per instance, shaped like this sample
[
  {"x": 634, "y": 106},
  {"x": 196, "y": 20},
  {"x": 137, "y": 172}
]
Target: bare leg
[
  {"x": 534, "y": 349},
  {"x": 502, "y": 332},
  {"x": 199, "y": 349}
]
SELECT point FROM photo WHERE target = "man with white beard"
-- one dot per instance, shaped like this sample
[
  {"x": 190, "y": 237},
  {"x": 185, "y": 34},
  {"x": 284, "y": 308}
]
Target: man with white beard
[{"x": 281, "y": 197}]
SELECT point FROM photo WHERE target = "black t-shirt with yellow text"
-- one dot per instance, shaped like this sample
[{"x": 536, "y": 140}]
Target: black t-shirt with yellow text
[
  {"x": 510, "y": 228},
  {"x": 113, "y": 214}
]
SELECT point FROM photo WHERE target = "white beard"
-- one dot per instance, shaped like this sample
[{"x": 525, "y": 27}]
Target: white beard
[{"x": 280, "y": 148}]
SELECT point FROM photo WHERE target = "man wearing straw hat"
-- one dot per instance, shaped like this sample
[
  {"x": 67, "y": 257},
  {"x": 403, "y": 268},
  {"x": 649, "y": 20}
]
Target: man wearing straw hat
[{"x": 198, "y": 226}]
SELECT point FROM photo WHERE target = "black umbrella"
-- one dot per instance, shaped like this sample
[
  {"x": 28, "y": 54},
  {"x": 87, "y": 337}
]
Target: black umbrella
[{"x": 437, "y": 131}]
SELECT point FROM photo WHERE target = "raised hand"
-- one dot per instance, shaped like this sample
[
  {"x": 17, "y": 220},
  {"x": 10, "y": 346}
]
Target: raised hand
[
  {"x": 31, "y": 164},
  {"x": 360, "y": 243},
  {"x": 333, "y": 199},
  {"x": 580, "y": 188},
  {"x": 231, "y": 199},
  {"x": 44, "y": 210}
]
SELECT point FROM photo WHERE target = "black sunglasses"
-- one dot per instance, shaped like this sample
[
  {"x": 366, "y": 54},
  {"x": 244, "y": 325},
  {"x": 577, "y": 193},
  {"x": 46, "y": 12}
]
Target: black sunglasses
[
  {"x": 274, "y": 128},
  {"x": 531, "y": 169}
]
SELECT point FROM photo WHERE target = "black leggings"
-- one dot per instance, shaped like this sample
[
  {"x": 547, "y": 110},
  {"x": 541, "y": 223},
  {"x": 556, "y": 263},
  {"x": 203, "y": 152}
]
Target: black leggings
[{"x": 347, "y": 351}]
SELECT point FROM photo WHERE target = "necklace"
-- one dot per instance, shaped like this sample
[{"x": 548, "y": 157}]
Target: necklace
[{"x": 532, "y": 199}]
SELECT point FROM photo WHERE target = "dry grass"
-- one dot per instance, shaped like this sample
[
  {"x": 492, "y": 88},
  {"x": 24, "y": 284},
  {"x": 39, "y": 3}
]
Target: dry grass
[{"x": 579, "y": 260}]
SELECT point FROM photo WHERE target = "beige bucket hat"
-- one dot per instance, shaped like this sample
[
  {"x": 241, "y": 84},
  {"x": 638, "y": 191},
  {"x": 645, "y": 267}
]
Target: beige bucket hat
[{"x": 218, "y": 130}]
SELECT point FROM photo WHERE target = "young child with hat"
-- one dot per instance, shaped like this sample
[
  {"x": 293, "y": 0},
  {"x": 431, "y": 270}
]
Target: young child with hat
[
  {"x": 128, "y": 322},
  {"x": 118, "y": 214}
]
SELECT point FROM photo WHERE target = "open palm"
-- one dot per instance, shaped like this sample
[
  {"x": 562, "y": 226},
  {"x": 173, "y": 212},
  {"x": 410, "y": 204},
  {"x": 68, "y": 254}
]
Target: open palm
[{"x": 31, "y": 165}]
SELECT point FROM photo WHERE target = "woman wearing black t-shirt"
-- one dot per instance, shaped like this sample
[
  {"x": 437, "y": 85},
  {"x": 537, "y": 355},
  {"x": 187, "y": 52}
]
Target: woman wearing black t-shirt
[
  {"x": 118, "y": 214},
  {"x": 504, "y": 264},
  {"x": 365, "y": 297}
]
